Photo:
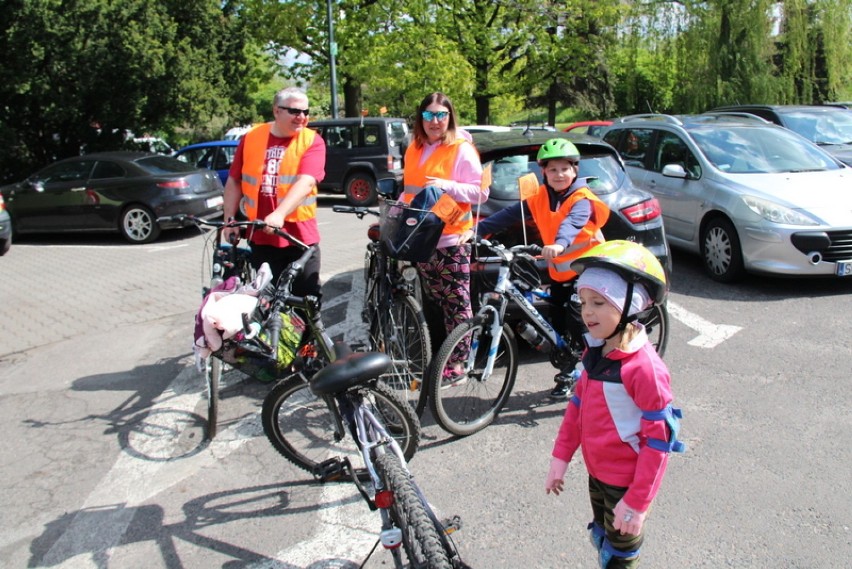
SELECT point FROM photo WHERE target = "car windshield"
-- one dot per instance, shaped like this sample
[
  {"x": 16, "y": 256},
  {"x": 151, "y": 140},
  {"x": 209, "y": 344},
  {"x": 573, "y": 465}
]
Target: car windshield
[
  {"x": 832, "y": 126},
  {"x": 164, "y": 165},
  {"x": 753, "y": 150},
  {"x": 398, "y": 133},
  {"x": 603, "y": 173}
]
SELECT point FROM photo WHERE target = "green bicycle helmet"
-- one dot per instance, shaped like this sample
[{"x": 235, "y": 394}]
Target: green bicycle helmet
[
  {"x": 557, "y": 148},
  {"x": 632, "y": 261}
]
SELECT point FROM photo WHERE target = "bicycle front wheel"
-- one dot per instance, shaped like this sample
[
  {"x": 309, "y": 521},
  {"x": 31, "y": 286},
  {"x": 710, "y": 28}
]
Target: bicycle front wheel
[
  {"x": 300, "y": 425},
  {"x": 468, "y": 403},
  {"x": 421, "y": 539},
  {"x": 656, "y": 322},
  {"x": 400, "y": 331},
  {"x": 212, "y": 378}
]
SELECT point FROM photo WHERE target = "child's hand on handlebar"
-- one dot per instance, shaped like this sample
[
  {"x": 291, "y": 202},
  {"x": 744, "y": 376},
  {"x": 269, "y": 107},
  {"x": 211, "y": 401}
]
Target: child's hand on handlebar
[
  {"x": 466, "y": 236},
  {"x": 552, "y": 251}
]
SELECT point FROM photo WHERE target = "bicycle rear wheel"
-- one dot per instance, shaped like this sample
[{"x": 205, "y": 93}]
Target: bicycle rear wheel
[
  {"x": 469, "y": 403},
  {"x": 401, "y": 333},
  {"x": 421, "y": 539},
  {"x": 300, "y": 425},
  {"x": 656, "y": 322},
  {"x": 212, "y": 378}
]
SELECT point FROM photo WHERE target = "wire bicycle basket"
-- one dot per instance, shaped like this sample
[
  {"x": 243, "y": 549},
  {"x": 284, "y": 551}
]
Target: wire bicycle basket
[
  {"x": 245, "y": 356},
  {"x": 408, "y": 233}
]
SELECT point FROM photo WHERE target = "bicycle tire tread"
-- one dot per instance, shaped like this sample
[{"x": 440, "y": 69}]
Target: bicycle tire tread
[{"x": 409, "y": 514}]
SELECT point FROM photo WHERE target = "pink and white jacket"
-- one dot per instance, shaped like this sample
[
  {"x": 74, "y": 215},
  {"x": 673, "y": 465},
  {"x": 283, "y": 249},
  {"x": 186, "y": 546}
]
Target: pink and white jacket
[{"x": 605, "y": 418}]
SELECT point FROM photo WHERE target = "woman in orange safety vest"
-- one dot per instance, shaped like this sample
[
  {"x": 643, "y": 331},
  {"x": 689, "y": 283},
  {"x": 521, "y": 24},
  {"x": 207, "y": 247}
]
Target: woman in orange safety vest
[{"x": 440, "y": 156}]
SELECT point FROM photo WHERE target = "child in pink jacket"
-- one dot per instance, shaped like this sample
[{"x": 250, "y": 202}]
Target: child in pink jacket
[{"x": 621, "y": 414}]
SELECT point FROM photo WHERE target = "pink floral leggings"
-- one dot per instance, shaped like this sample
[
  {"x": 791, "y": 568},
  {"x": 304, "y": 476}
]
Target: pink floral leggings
[{"x": 446, "y": 276}]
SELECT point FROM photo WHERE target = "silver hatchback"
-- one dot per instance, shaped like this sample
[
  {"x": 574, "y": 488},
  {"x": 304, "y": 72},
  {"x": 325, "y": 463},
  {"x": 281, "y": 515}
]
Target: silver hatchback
[{"x": 748, "y": 196}]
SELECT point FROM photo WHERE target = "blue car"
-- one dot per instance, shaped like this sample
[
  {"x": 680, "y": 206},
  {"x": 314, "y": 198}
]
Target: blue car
[{"x": 215, "y": 155}]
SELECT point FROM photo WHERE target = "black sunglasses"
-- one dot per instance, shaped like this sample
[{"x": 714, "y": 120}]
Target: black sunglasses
[{"x": 295, "y": 112}]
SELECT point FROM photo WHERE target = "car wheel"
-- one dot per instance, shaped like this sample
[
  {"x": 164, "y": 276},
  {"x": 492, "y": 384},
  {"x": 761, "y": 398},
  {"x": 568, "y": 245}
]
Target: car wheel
[
  {"x": 360, "y": 189},
  {"x": 138, "y": 224},
  {"x": 721, "y": 251}
]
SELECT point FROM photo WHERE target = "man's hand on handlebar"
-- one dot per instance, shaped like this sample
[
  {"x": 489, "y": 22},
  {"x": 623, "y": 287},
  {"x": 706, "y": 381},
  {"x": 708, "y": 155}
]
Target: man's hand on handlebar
[
  {"x": 231, "y": 234},
  {"x": 273, "y": 221}
]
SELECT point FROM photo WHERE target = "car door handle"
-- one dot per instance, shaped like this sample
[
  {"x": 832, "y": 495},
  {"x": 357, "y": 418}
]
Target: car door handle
[{"x": 83, "y": 189}]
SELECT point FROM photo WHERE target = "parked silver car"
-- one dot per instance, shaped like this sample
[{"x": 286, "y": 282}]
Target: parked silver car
[
  {"x": 825, "y": 125},
  {"x": 747, "y": 195}
]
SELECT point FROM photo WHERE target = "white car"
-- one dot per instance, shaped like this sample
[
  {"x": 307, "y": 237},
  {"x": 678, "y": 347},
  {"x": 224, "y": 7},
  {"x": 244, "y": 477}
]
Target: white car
[{"x": 747, "y": 195}]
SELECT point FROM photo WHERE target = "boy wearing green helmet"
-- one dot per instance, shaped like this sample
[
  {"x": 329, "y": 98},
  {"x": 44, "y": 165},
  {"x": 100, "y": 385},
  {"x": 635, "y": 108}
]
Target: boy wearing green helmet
[{"x": 569, "y": 217}]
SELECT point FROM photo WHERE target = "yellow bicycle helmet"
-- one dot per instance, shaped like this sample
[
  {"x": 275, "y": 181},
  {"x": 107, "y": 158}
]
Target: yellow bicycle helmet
[{"x": 632, "y": 261}]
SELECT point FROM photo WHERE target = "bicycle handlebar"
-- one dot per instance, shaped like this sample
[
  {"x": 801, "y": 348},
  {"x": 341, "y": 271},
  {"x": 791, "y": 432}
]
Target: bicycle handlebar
[
  {"x": 360, "y": 211},
  {"x": 531, "y": 249},
  {"x": 183, "y": 218}
]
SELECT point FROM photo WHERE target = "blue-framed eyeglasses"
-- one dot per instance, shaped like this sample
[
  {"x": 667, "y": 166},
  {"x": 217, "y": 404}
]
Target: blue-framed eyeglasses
[{"x": 440, "y": 115}]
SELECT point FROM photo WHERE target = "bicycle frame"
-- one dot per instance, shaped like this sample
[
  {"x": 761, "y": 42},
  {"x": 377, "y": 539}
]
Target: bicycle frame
[{"x": 494, "y": 305}]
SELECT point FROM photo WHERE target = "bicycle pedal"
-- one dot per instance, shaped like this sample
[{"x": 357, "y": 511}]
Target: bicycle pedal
[
  {"x": 331, "y": 470},
  {"x": 451, "y": 525}
]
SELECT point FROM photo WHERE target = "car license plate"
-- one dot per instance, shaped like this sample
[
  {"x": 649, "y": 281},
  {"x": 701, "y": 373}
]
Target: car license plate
[
  {"x": 213, "y": 202},
  {"x": 843, "y": 269}
]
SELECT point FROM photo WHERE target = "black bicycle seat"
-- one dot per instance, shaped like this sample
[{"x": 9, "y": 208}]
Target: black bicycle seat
[{"x": 349, "y": 371}]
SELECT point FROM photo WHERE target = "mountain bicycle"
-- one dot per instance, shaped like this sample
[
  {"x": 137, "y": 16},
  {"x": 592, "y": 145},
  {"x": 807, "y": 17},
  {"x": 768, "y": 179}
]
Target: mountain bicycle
[
  {"x": 395, "y": 319},
  {"x": 487, "y": 348},
  {"x": 307, "y": 420}
]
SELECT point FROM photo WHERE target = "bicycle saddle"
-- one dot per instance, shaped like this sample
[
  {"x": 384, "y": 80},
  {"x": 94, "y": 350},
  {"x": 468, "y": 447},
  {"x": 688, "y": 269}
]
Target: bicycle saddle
[{"x": 349, "y": 371}]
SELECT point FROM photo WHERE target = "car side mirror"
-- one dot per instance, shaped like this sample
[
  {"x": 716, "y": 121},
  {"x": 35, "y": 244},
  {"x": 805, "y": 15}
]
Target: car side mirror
[
  {"x": 674, "y": 171},
  {"x": 387, "y": 187},
  {"x": 35, "y": 184}
]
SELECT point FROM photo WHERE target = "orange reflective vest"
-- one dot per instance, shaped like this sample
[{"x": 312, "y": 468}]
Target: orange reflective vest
[
  {"x": 254, "y": 159},
  {"x": 439, "y": 165},
  {"x": 548, "y": 223}
]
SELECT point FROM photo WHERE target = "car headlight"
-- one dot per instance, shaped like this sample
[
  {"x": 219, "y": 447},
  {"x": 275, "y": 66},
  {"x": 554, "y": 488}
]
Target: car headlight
[{"x": 776, "y": 213}]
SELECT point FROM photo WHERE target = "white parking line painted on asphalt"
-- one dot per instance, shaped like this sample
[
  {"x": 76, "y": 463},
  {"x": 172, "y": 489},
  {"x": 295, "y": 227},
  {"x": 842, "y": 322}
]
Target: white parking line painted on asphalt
[
  {"x": 709, "y": 335},
  {"x": 157, "y": 248},
  {"x": 346, "y": 528},
  {"x": 132, "y": 480},
  {"x": 126, "y": 247}
]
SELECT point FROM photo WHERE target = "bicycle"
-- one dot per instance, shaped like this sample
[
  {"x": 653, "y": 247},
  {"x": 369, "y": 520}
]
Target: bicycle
[
  {"x": 394, "y": 316},
  {"x": 306, "y": 420},
  {"x": 467, "y": 403},
  {"x": 221, "y": 261}
]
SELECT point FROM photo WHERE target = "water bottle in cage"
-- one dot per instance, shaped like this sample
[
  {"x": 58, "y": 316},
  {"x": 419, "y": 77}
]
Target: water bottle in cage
[{"x": 531, "y": 335}]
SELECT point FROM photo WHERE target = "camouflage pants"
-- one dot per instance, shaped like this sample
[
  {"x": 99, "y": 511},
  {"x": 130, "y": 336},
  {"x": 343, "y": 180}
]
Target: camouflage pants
[{"x": 604, "y": 498}]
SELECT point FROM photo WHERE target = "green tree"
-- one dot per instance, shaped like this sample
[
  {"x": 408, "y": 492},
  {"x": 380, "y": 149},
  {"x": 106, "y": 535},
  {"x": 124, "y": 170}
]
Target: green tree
[{"x": 79, "y": 75}]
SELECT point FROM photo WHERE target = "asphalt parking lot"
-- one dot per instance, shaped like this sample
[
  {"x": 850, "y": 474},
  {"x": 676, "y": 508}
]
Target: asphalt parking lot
[{"x": 103, "y": 463}]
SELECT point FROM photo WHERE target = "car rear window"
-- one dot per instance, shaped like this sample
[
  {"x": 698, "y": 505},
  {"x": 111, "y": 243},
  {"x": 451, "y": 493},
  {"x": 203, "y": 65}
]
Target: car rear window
[
  {"x": 164, "y": 165},
  {"x": 602, "y": 171}
]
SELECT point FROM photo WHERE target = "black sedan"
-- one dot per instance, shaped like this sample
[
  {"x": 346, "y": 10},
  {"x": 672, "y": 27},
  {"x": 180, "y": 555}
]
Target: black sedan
[{"x": 112, "y": 191}]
